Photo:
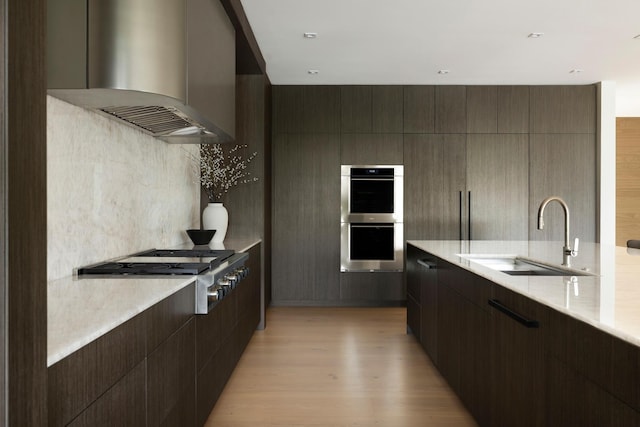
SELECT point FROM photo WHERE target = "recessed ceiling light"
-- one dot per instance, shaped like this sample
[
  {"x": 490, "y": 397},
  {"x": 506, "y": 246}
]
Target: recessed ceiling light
[
  {"x": 535, "y": 35},
  {"x": 443, "y": 71},
  {"x": 310, "y": 35},
  {"x": 313, "y": 71},
  {"x": 576, "y": 71}
]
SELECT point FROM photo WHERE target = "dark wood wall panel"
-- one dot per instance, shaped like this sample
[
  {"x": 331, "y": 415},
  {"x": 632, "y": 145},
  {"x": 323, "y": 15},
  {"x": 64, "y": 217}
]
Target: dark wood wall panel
[
  {"x": 450, "y": 109},
  {"x": 498, "y": 179},
  {"x": 321, "y": 109},
  {"x": 306, "y": 216},
  {"x": 482, "y": 109},
  {"x": 371, "y": 149},
  {"x": 25, "y": 242},
  {"x": 565, "y": 166},
  {"x": 377, "y": 288},
  {"x": 386, "y": 109},
  {"x": 435, "y": 174},
  {"x": 563, "y": 109},
  {"x": 356, "y": 109},
  {"x": 452, "y": 140},
  {"x": 419, "y": 109},
  {"x": 288, "y": 102},
  {"x": 371, "y": 109},
  {"x": 246, "y": 202},
  {"x": 513, "y": 109}
]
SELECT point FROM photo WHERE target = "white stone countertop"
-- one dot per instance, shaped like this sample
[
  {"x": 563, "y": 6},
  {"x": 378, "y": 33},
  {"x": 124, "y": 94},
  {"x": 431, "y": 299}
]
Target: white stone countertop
[
  {"x": 80, "y": 310},
  {"x": 609, "y": 301}
]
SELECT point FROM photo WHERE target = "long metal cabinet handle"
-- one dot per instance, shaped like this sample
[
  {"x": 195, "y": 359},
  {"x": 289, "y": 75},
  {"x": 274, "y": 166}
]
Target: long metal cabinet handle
[
  {"x": 460, "y": 212},
  {"x": 427, "y": 264},
  {"x": 469, "y": 216},
  {"x": 529, "y": 323}
]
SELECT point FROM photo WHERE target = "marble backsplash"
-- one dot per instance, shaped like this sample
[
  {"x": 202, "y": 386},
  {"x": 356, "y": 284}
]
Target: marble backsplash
[{"x": 112, "y": 190}]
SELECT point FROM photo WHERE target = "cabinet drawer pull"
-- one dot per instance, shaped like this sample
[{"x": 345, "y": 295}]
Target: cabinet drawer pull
[
  {"x": 427, "y": 264},
  {"x": 529, "y": 323}
]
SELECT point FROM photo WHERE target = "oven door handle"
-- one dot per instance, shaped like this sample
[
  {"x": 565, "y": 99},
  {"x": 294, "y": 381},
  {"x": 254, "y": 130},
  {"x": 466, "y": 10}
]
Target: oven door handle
[
  {"x": 372, "y": 225},
  {"x": 382, "y": 178}
]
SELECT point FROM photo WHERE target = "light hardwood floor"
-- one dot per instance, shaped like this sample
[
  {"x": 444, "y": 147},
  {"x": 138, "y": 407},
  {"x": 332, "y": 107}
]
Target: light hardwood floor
[{"x": 336, "y": 367}]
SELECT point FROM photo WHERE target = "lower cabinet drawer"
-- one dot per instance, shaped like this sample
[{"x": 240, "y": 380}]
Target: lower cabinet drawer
[{"x": 123, "y": 405}]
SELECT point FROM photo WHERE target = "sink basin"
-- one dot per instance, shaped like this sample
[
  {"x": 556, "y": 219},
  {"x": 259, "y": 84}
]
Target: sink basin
[{"x": 515, "y": 265}]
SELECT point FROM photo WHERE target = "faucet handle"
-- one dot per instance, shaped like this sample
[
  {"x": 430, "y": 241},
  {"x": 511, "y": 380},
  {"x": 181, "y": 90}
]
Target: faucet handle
[{"x": 574, "y": 251}]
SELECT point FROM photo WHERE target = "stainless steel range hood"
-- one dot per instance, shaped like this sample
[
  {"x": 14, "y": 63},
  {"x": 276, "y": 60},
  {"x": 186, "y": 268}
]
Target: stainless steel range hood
[{"x": 167, "y": 68}]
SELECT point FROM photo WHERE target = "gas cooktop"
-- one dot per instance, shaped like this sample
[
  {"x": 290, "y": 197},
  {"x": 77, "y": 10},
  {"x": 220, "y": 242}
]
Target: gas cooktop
[{"x": 162, "y": 261}]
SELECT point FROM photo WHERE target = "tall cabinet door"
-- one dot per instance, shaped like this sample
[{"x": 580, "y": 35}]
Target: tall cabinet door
[
  {"x": 306, "y": 217},
  {"x": 434, "y": 167},
  {"x": 498, "y": 185},
  {"x": 563, "y": 165}
]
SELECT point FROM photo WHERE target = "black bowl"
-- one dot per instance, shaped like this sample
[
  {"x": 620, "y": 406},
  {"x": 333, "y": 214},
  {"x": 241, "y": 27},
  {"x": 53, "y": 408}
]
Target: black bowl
[{"x": 201, "y": 237}]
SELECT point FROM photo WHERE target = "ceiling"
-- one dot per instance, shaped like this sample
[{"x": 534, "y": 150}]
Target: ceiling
[{"x": 477, "y": 42}]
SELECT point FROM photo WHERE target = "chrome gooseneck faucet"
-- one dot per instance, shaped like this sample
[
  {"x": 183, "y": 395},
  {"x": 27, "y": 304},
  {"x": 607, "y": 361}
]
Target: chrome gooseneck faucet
[{"x": 567, "y": 252}]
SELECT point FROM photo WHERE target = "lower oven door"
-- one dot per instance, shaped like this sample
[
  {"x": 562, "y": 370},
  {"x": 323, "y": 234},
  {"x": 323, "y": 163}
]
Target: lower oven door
[{"x": 371, "y": 247}]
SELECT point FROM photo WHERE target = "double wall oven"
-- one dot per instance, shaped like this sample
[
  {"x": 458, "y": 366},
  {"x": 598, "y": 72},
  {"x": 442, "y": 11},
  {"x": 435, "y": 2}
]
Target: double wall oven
[{"x": 371, "y": 218}]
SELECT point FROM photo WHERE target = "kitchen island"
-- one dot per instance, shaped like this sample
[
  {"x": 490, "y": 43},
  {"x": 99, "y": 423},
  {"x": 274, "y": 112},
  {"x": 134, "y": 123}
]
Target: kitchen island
[{"x": 530, "y": 350}]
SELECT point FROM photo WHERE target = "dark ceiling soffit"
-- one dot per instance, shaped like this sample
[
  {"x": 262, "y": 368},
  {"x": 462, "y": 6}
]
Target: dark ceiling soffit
[{"x": 249, "y": 59}]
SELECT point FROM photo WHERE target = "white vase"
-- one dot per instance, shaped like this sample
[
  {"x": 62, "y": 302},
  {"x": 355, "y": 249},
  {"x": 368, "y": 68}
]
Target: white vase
[{"x": 216, "y": 217}]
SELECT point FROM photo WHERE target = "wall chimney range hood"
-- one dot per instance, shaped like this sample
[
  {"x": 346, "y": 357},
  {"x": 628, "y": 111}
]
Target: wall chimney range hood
[{"x": 166, "y": 68}]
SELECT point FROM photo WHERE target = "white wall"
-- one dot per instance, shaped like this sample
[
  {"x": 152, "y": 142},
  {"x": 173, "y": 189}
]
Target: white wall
[{"x": 112, "y": 190}]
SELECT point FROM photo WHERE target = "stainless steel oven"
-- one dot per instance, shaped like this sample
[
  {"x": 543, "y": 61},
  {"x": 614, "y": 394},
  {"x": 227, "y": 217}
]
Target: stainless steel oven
[
  {"x": 371, "y": 218},
  {"x": 371, "y": 193}
]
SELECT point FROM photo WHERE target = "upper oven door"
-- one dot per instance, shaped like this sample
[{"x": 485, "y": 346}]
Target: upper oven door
[{"x": 371, "y": 193}]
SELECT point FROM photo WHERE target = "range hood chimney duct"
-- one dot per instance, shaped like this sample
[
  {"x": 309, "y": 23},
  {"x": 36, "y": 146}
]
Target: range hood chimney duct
[{"x": 166, "y": 68}]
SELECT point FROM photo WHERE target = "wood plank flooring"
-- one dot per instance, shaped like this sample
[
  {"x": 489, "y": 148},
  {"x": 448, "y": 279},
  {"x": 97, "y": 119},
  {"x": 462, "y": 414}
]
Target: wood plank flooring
[{"x": 336, "y": 367}]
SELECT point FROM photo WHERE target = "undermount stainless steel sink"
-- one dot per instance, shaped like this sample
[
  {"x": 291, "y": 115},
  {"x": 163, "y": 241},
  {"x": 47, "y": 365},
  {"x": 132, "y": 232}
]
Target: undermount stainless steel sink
[{"x": 515, "y": 265}]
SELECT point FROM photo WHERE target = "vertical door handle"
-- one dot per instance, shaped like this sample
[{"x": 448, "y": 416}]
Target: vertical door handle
[
  {"x": 469, "y": 216},
  {"x": 460, "y": 213}
]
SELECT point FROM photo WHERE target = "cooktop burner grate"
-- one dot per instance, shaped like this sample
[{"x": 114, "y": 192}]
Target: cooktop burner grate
[
  {"x": 200, "y": 253},
  {"x": 187, "y": 268}
]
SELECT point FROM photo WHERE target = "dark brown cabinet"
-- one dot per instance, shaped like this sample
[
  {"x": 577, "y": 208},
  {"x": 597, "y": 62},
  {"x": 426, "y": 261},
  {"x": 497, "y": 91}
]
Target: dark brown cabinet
[
  {"x": 464, "y": 338},
  {"x": 371, "y": 109},
  {"x": 371, "y": 149},
  {"x": 223, "y": 334},
  {"x": 513, "y": 109},
  {"x": 105, "y": 377},
  {"x": 514, "y": 361},
  {"x": 518, "y": 385},
  {"x": 563, "y": 109},
  {"x": 165, "y": 366},
  {"x": 472, "y": 186},
  {"x": 450, "y": 109},
  {"x": 497, "y": 186},
  {"x": 171, "y": 380},
  {"x": 564, "y": 165},
  {"x": 306, "y": 217},
  {"x": 422, "y": 287},
  {"x": 596, "y": 369},
  {"x": 122, "y": 405},
  {"x": 419, "y": 109},
  {"x": 482, "y": 109},
  {"x": 435, "y": 180}
]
